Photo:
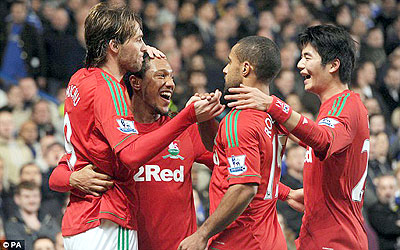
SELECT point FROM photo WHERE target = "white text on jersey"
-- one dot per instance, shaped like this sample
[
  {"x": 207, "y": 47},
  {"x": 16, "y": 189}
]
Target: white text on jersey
[
  {"x": 154, "y": 172},
  {"x": 73, "y": 92}
]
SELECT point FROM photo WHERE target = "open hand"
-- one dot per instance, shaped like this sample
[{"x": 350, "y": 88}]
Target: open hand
[
  {"x": 246, "y": 97},
  {"x": 89, "y": 181}
]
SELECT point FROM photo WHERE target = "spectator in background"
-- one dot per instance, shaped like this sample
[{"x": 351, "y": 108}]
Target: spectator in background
[
  {"x": 43, "y": 243},
  {"x": 150, "y": 24},
  {"x": 384, "y": 215},
  {"x": 186, "y": 21},
  {"x": 393, "y": 35},
  {"x": 205, "y": 23},
  {"x": 32, "y": 95},
  {"x": 14, "y": 152},
  {"x": 372, "y": 49},
  {"x": 16, "y": 105},
  {"x": 21, "y": 48},
  {"x": 197, "y": 82},
  {"x": 267, "y": 25},
  {"x": 394, "y": 150},
  {"x": 52, "y": 155},
  {"x": 29, "y": 223},
  {"x": 6, "y": 204},
  {"x": 41, "y": 115},
  {"x": 283, "y": 84},
  {"x": 377, "y": 124},
  {"x": 51, "y": 202},
  {"x": 29, "y": 135},
  {"x": 372, "y": 106},
  {"x": 65, "y": 54},
  {"x": 378, "y": 165},
  {"x": 391, "y": 88},
  {"x": 294, "y": 179}
]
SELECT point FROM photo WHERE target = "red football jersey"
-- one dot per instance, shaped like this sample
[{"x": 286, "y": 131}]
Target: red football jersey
[
  {"x": 248, "y": 149},
  {"x": 334, "y": 182},
  {"x": 98, "y": 125},
  {"x": 94, "y": 103},
  {"x": 166, "y": 212}
]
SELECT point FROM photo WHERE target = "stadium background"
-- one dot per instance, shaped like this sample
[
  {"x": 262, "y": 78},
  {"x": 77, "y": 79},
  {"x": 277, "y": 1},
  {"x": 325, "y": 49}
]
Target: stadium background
[{"x": 42, "y": 45}]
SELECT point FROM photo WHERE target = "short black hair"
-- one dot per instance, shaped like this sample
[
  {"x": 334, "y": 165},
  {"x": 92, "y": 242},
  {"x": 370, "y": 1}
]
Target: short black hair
[
  {"x": 262, "y": 53},
  {"x": 29, "y": 185},
  {"x": 140, "y": 74},
  {"x": 332, "y": 42}
]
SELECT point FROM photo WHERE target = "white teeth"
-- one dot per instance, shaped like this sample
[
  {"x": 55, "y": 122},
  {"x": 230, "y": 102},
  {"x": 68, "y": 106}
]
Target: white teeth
[{"x": 166, "y": 95}]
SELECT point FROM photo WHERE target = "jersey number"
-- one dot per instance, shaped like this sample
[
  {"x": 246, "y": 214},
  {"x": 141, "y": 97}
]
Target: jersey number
[
  {"x": 276, "y": 158},
  {"x": 69, "y": 148},
  {"x": 357, "y": 192}
]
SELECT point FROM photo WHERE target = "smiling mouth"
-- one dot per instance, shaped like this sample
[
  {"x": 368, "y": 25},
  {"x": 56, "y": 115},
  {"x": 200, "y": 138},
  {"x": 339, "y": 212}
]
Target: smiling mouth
[{"x": 166, "y": 95}]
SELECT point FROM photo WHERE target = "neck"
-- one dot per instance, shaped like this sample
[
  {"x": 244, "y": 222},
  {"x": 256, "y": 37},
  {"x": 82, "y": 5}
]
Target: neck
[
  {"x": 335, "y": 87},
  {"x": 25, "y": 213},
  {"x": 143, "y": 112},
  {"x": 264, "y": 87},
  {"x": 298, "y": 175},
  {"x": 112, "y": 68}
]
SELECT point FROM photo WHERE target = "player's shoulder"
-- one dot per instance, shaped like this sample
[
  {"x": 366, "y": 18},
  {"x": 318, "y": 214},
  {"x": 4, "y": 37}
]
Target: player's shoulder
[
  {"x": 345, "y": 102},
  {"x": 244, "y": 120}
]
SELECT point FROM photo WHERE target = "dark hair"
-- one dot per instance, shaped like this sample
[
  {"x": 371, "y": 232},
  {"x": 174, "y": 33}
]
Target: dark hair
[
  {"x": 140, "y": 74},
  {"x": 262, "y": 53},
  {"x": 331, "y": 42},
  {"x": 29, "y": 185},
  {"x": 26, "y": 165},
  {"x": 105, "y": 23},
  {"x": 43, "y": 237}
]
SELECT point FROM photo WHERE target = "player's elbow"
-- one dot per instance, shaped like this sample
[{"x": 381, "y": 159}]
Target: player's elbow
[{"x": 248, "y": 190}]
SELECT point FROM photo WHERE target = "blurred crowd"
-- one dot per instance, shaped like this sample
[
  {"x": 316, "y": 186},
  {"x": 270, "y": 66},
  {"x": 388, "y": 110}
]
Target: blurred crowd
[{"x": 42, "y": 45}]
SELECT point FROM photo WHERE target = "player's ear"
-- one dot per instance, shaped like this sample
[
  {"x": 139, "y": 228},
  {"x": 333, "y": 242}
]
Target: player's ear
[
  {"x": 113, "y": 45},
  {"x": 246, "y": 68},
  {"x": 135, "y": 82},
  {"x": 334, "y": 66}
]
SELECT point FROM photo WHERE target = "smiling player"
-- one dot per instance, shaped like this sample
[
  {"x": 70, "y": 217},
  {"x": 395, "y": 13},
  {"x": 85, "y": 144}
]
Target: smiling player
[{"x": 336, "y": 161}]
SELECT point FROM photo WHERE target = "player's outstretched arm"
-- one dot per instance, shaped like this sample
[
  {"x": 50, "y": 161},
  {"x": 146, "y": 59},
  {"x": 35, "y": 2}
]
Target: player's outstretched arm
[
  {"x": 145, "y": 147},
  {"x": 234, "y": 202},
  {"x": 317, "y": 137},
  {"x": 207, "y": 129}
]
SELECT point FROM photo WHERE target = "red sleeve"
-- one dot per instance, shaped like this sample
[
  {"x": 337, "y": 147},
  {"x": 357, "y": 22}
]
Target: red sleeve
[
  {"x": 242, "y": 150},
  {"x": 137, "y": 150},
  {"x": 115, "y": 122},
  {"x": 59, "y": 179},
  {"x": 283, "y": 191},
  {"x": 331, "y": 135},
  {"x": 202, "y": 155}
]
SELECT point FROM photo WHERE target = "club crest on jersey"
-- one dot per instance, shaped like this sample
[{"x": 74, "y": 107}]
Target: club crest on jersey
[
  {"x": 236, "y": 164},
  {"x": 127, "y": 126},
  {"x": 173, "y": 151},
  {"x": 327, "y": 121}
]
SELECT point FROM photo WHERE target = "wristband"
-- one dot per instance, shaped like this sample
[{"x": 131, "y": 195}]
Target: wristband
[
  {"x": 279, "y": 110},
  {"x": 283, "y": 191}
]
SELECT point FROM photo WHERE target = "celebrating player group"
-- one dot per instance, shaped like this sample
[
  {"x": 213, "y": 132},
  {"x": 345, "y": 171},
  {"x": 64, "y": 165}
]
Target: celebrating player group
[{"x": 128, "y": 164}]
